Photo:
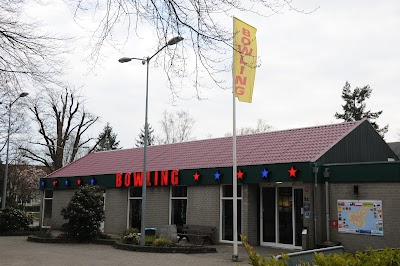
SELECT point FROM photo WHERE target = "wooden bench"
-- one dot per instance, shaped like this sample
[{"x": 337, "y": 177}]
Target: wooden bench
[{"x": 197, "y": 234}]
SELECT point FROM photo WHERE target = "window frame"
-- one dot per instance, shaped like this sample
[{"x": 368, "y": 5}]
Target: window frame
[
  {"x": 221, "y": 205},
  {"x": 129, "y": 204},
  {"x": 171, "y": 198},
  {"x": 44, "y": 204}
]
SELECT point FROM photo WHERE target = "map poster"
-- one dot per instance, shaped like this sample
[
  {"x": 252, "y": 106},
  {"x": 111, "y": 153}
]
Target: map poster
[{"x": 360, "y": 217}]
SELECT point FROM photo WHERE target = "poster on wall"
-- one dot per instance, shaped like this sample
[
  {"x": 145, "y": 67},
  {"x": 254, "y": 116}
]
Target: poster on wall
[{"x": 360, "y": 217}]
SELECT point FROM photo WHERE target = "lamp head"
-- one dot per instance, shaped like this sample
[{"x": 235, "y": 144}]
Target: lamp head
[
  {"x": 326, "y": 173},
  {"x": 124, "y": 59},
  {"x": 23, "y": 94},
  {"x": 315, "y": 169},
  {"x": 175, "y": 40}
]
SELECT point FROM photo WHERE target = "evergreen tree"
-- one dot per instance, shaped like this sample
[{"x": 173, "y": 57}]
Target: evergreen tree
[
  {"x": 84, "y": 213},
  {"x": 150, "y": 137},
  {"x": 107, "y": 140},
  {"x": 354, "y": 107}
]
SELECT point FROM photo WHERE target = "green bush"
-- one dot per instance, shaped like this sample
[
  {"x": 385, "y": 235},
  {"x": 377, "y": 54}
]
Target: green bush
[
  {"x": 258, "y": 260},
  {"x": 104, "y": 236},
  {"x": 44, "y": 233},
  {"x": 385, "y": 257},
  {"x": 84, "y": 213},
  {"x": 131, "y": 236},
  {"x": 163, "y": 242},
  {"x": 13, "y": 219},
  {"x": 149, "y": 240}
]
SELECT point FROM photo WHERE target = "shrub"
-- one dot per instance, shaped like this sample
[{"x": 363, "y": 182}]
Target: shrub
[
  {"x": 13, "y": 219},
  {"x": 104, "y": 236},
  {"x": 131, "y": 236},
  {"x": 163, "y": 242},
  {"x": 383, "y": 257},
  {"x": 258, "y": 260},
  {"x": 45, "y": 233},
  {"x": 84, "y": 213},
  {"x": 149, "y": 240}
]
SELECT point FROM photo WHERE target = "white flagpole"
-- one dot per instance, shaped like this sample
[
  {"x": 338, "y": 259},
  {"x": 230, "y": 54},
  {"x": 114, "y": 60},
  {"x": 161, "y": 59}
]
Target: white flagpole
[{"x": 235, "y": 256}]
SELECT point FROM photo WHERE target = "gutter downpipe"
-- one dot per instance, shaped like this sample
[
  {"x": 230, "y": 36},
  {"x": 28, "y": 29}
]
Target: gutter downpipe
[
  {"x": 315, "y": 171},
  {"x": 326, "y": 176}
]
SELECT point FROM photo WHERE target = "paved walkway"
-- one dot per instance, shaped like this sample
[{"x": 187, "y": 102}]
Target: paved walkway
[{"x": 16, "y": 250}]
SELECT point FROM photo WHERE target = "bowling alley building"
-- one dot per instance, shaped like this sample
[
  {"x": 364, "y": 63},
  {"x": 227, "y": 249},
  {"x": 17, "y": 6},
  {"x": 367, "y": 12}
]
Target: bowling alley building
[{"x": 297, "y": 188}]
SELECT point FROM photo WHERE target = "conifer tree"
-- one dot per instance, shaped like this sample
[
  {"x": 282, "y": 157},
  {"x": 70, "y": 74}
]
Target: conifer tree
[
  {"x": 150, "y": 137},
  {"x": 354, "y": 107},
  {"x": 107, "y": 140}
]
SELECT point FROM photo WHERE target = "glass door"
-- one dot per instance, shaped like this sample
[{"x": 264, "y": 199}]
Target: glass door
[
  {"x": 281, "y": 217},
  {"x": 285, "y": 214},
  {"x": 268, "y": 214}
]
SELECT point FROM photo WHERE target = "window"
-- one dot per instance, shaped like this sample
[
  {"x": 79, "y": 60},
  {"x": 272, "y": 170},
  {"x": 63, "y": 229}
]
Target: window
[
  {"x": 227, "y": 212},
  {"x": 178, "y": 205},
  {"x": 135, "y": 208},
  {"x": 47, "y": 207}
]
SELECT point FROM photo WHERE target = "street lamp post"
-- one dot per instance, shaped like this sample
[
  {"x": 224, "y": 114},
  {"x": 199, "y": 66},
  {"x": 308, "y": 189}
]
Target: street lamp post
[
  {"x": 146, "y": 60},
  {"x": 3, "y": 201}
]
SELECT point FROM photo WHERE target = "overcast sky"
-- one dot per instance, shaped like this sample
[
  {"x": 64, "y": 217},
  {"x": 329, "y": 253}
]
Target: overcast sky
[{"x": 306, "y": 60}]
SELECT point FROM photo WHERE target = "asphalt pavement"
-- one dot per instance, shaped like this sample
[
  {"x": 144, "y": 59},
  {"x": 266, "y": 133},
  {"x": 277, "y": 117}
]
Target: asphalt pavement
[{"x": 16, "y": 250}]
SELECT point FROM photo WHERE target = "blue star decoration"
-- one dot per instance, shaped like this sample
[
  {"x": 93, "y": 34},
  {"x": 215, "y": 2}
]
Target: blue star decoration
[
  {"x": 264, "y": 174},
  {"x": 216, "y": 176},
  {"x": 92, "y": 181},
  {"x": 42, "y": 184},
  {"x": 66, "y": 183}
]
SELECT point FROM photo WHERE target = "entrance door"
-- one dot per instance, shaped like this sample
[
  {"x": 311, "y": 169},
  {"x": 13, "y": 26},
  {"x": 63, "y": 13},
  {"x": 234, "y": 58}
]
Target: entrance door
[{"x": 281, "y": 218}]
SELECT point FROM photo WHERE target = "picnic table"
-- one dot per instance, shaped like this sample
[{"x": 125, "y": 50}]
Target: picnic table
[{"x": 197, "y": 234}]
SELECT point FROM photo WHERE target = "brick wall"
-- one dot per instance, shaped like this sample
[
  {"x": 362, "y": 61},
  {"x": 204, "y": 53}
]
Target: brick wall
[
  {"x": 61, "y": 198},
  {"x": 390, "y": 196},
  {"x": 116, "y": 208},
  {"x": 203, "y": 206},
  {"x": 157, "y": 206},
  {"x": 250, "y": 216}
]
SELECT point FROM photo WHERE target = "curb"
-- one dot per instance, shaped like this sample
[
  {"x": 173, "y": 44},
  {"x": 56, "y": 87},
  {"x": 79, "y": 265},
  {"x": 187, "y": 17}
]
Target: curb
[
  {"x": 121, "y": 246},
  {"x": 177, "y": 249},
  {"x": 36, "y": 239}
]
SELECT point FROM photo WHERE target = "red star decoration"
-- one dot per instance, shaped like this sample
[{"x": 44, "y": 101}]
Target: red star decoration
[
  {"x": 79, "y": 181},
  {"x": 240, "y": 174},
  {"x": 292, "y": 172},
  {"x": 55, "y": 183},
  {"x": 196, "y": 176}
]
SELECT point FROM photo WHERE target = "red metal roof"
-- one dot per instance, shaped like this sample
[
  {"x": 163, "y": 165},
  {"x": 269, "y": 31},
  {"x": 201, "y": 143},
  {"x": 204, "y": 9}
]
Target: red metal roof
[{"x": 294, "y": 145}]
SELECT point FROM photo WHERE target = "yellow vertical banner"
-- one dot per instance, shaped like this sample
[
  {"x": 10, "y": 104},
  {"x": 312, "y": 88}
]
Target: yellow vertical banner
[{"x": 244, "y": 59}]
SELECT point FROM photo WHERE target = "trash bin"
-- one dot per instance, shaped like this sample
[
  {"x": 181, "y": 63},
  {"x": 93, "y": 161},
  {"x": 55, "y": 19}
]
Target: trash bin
[
  {"x": 150, "y": 231},
  {"x": 304, "y": 238}
]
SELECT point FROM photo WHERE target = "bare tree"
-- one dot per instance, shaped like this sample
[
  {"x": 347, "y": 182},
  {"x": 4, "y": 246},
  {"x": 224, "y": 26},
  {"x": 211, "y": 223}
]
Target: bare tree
[
  {"x": 17, "y": 128},
  {"x": 262, "y": 126},
  {"x": 26, "y": 54},
  {"x": 63, "y": 122},
  {"x": 208, "y": 42},
  {"x": 176, "y": 127}
]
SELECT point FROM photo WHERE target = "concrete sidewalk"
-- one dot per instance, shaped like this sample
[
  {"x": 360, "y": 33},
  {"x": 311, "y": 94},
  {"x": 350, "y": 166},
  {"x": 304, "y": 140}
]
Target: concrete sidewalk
[{"x": 16, "y": 250}]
